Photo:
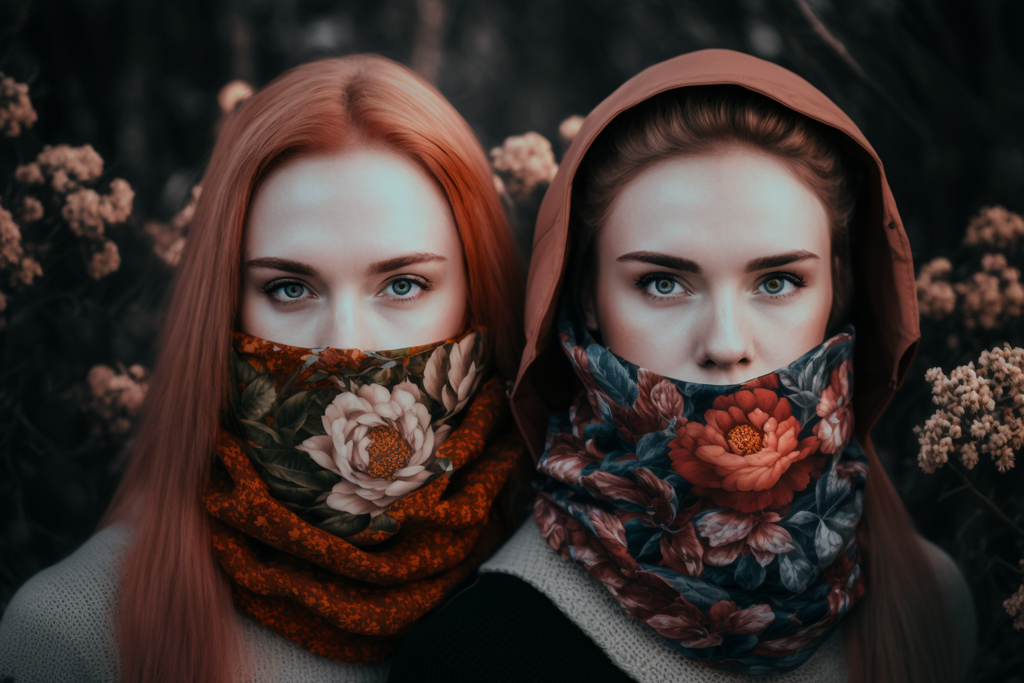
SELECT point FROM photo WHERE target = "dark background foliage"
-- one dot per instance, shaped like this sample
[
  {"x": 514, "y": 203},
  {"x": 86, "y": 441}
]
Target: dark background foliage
[{"x": 938, "y": 87}]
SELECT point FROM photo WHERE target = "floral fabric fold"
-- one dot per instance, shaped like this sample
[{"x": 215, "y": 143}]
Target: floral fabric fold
[
  {"x": 353, "y": 490},
  {"x": 724, "y": 517}
]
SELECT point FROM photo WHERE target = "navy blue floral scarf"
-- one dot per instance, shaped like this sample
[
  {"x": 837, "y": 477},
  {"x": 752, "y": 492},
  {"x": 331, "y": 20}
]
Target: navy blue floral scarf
[{"x": 724, "y": 517}]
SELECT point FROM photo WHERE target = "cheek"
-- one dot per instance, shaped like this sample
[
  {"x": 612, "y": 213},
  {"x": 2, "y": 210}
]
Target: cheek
[{"x": 626, "y": 326}]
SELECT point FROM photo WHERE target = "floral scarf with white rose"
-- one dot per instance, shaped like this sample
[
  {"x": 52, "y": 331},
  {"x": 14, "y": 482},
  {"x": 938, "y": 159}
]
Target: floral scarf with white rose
[
  {"x": 353, "y": 490},
  {"x": 726, "y": 518}
]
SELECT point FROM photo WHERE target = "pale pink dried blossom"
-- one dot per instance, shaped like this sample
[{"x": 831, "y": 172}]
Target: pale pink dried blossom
[
  {"x": 993, "y": 296},
  {"x": 981, "y": 412},
  {"x": 104, "y": 262},
  {"x": 30, "y": 174},
  {"x": 25, "y": 272},
  {"x": 935, "y": 295},
  {"x": 232, "y": 94},
  {"x": 568, "y": 128},
  {"x": 499, "y": 184},
  {"x": 31, "y": 210},
  {"x": 116, "y": 396},
  {"x": 10, "y": 240},
  {"x": 1014, "y": 606},
  {"x": 169, "y": 238},
  {"x": 16, "y": 110},
  {"x": 68, "y": 166},
  {"x": 116, "y": 206},
  {"x": 525, "y": 162},
  {"x": 994, "y": 226},
  {"x": 82, "y": 212}
]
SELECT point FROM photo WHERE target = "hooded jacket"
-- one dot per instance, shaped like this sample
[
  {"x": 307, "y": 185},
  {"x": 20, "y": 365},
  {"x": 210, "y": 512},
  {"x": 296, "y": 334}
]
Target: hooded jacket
[
  {"x": 519, "y": 635},
  {"x": 885, "y": 311}
]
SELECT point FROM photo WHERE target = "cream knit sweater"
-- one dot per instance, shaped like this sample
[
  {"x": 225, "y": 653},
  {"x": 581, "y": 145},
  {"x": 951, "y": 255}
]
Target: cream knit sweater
[
  {"x": 646, "y": 656},
  {"x": 59, "y": 628}
]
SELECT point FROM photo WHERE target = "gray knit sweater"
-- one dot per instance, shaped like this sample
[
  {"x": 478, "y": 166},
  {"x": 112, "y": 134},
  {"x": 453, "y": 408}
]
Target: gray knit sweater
[
  {"x": 645, "y": 656},
  {"x": 59, "y": 628}
]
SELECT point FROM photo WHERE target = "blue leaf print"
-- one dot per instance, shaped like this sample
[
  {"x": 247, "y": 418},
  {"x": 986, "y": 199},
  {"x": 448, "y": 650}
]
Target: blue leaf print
[
  {"x": 611, "y": 377},
  {"x": 795, "y": 570},
  {"x": 826, "y": 544},
  {"x": 749, "y": 573}
]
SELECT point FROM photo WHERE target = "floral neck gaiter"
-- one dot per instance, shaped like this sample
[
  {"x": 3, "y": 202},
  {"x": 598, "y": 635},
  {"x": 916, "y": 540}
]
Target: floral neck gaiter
[
  {"x": 726, "y": 518},
  {"x": 334, "y": 505}
]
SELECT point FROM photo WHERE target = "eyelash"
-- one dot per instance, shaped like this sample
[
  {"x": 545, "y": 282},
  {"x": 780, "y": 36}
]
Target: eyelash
[
  {"x": 271, "y": 287},
  {"x": 644, "y": 281},
  {"x": 275, "y": 285},
  {"x": 796, "y": 280},
  {"x": 420, "y": 282}
]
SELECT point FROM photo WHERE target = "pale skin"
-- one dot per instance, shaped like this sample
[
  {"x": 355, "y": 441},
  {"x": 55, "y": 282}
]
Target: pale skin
[
  {"x": 713, "y": 268},
  {"x": 354, "y": 250}
]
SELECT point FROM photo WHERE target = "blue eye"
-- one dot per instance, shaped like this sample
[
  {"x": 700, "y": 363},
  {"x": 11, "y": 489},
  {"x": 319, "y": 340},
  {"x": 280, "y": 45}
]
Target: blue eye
[
  {"x": 292, "y": 291},
  {"x": 405, "y": 288},
  {"x": 287, "y": 291},
  {"x": 781, "y": 284},
  {"x": 660, "y": 286}
]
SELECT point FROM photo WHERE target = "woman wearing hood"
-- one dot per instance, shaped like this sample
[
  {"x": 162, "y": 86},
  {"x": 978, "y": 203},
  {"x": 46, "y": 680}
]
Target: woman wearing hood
[
  {"x": 721, "y": 265},
  {"x": 327, "y": 428}
]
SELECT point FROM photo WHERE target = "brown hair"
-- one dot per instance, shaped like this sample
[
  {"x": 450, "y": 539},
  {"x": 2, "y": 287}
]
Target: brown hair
[
  {"x": 899, "y": 632},
  {"x": 176, "y": 618},
  {"x": 703, "y": 120}
]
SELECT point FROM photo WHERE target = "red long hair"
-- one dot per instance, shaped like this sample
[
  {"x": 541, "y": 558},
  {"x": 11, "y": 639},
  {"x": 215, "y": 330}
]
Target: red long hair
[
  {"x": 899, "y": 632},
  {"x": 176, "y": 619}
]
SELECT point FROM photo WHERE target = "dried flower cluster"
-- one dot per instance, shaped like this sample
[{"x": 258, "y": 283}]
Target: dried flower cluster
[
  {"x": 995, "y": 227},
  {"x": 981, "y": 411},
  {"x": 16, "y": 110},
  {"x": 992, "y": 296},
  {"x": 1014, "y": 605},
  {"x": 66, "y": 167},
  {"x": 524, "y": 162},
  {"x": 169, "y": 238},
  {"x": 989, "y": 298},
  {"x": 20, "y": 269},
  {"x": 935, "y": 295},
  {"x": 568, "y": 129},
  {"x": 116, "y": 396},
  {"x": 59, "y": 176}
]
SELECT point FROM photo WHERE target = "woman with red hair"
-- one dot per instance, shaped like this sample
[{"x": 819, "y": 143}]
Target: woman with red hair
[
  {"x": 297, "y": 497},
  {"x": 711, "y": 505}
]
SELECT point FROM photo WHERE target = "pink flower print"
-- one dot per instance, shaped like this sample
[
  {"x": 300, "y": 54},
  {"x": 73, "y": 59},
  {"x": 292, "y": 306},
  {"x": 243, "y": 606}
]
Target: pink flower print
[
  {"x": 730, "y": 533},
  {"x": 648, "y": 491},
  {"x": 836, "y": 425}
]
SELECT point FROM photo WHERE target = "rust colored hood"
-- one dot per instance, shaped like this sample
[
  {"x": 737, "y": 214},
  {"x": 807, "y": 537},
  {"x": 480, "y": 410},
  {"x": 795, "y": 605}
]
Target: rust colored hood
[{"x": 885, "y": 314}]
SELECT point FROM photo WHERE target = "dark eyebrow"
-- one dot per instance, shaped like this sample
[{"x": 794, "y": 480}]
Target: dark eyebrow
[
  {"x": 381, "y": 267},
  {"x": 663, "y": 260},
  {"x": 766, "y": 262},
  {"x": 282, "y": 264}
]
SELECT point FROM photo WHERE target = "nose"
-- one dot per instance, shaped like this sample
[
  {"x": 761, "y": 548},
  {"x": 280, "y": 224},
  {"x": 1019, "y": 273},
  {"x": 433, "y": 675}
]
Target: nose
[
  {"x": 723, "y": 338},
  {"x": 348, "y": 325}
]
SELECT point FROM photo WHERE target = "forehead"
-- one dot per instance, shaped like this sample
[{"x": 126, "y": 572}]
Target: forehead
[
  {"x": 738, "y": 203},
  {"x": 352, "y": 202}
]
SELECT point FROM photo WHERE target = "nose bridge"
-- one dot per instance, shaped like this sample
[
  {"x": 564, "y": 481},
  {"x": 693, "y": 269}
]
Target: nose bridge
[
  {"x": 349, "y": 324},
  {"x": 725, "y": 329}
]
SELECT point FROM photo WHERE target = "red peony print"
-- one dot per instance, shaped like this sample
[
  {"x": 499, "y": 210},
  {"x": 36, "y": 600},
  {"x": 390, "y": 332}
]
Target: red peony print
[
  {"x": 748, "y": 456},
  {"x": 836, "y": 424}
]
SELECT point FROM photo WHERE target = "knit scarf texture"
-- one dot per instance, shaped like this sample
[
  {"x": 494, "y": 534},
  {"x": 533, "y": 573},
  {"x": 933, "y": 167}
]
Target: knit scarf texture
[
  {"x": 351, "y": 490},
  {"x": 725, "y": 517}
]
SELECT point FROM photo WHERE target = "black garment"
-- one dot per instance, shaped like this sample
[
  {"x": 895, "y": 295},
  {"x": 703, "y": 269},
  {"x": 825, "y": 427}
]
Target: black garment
[{"x": 500, "y": 628}]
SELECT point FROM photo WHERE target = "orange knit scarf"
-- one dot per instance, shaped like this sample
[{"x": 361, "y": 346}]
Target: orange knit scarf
[{"x": 322, "y": 554}]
